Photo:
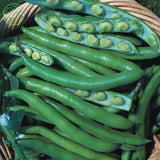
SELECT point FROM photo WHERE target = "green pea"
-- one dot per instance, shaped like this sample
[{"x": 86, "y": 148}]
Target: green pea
[
  {"x": 36, "y": 55},
  {"x": 46, "y": 58},
  {"x": 88, "y": 27},
  {"x": 122, "y": 26},
  {"x": 152, "y": 40},
  {"x": 104, "y": 42},
  {"x": 106, "y": 26},
  {"x": 28, "y": 51},
  {"x": 62, "y": 32},
  {"x": 76, "y": 36},
  {"x": 13, "y": 48},
  {"x": 71, "y": 25},
  {"x": 115, "y": 16},
  {"x": 96, "y": 9},
  {"x": 82, "y": 93},
  {"x": 49, "y": 28},
  {"x": 100, "y": 96},
  {"x": 117, "y": 101},
  {"x": 92, "y": 39},
  {"x": 78, "y": 6},
  {"x": 55, "y": 21},
  {"x": 53, "y": 2},
  {"x": 124, "y": 47}
]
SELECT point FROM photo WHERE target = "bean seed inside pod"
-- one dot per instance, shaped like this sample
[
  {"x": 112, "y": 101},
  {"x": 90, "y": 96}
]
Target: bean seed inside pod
[
  {"x": 76, "y": 36},
  {"x": 106, "y": 26},
  {"x": 55, "y": 21},
  {"x": 49, "y": 28},
  {"x": 71, "y": 25},
  {"x": 78, "y": 6},
  {"x": 100, "y": 96},
  {"x": 118, "y": 101},
  {"x": 53, "y": 2},
  {"x": 28, "y": 51},
  {"x": 36, "y": 55},
  {"x": 104, "y": 42},
  {"x": 82, "y": 93},
  {"x": 115, "y": 16},
  {"x": 122, "y": 26},
  {"x": 97, "y": 9},
  {"x": 46, "y": 58},
  {"x": 88, "y": 27},
  {"x": 13, "y": 48},
  {"x": 92, "y": 39},
  {"x": 123, "y": 47},
  {"x": 62, "y": 32},
  {"x": 152, "y": 40}
]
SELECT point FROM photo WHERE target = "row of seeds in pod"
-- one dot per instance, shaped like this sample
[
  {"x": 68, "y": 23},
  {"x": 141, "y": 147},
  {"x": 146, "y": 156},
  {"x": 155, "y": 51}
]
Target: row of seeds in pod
[{"x": 34, "y": 54}]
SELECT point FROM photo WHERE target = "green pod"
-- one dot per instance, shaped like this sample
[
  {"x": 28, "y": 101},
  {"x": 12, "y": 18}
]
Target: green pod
[
  {"x": 64, "y": 61},
  {"x": 144, "y": 31},
  {"x": 15, "y": 64},
  {"x": 89, "y": 24},
  {"x": 85, "y": 83},
  {"x": 70, "y": 99},
  {"x": 37, "y": 55},
  {"x": 106, "y": 58},
  {"x": 51, "y": 149},
  {"x": 144, "y": 54},
  {"x": 96, "y": 129},
  {"x": 30, "y": 112},
  {"x": 24, "y": 72},
  {"x": 65, "y": 143},
  {"x": 102, "y": 41},
  {"x": 95, "y": 67},
  {"x": 105, "y": 98},
  {"x": 61, "y": 122}
]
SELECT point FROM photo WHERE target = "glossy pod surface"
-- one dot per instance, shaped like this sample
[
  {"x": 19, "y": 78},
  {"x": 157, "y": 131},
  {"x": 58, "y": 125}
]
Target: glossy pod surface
[
  {"x": 95, "y": 40},
  {"x": 106, "y": 11}
]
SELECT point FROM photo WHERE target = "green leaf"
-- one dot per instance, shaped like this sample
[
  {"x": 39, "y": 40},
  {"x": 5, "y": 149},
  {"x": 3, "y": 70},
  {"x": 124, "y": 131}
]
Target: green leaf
[{"x": 15, "y": 120}]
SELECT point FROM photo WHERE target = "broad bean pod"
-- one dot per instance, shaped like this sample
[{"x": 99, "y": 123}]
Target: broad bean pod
[
  {"x": 105, "y": 11},
  {"x": 50, "y": 149},
  {"x": 64, "y": 61},
  {"x": 96, "y": 129},
  {"x": 65, "y": 143},
  {"x": 88, "y": 24},
  {"x": 61, "y": 122},
  {"x": 105, "y": 58},
  {"x": 85, "y": 83},
  {"x": 96, "y": 40},
  {"x": 68, "y": 98},
  {"x": 105, "y": 98}
]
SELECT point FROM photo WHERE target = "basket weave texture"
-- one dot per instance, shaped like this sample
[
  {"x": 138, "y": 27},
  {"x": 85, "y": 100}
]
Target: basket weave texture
[{"x": 26, "y": 11}]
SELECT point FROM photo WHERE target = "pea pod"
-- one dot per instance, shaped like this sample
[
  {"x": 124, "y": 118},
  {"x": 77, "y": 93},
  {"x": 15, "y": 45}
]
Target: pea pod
[
  {"x": 61, "y": 122},
  {"x": 29, "y": 112},
  {"x": 16, "y": 64},
  {"x": 105, "y": 98},
  {"x": 50, "y": 149},
  {"x": 96, "y": 129},
  {"x": 68, "y": 98},
  {"x": 12, "y": 48},
  {"x": 88, "y": 24},
  {"x": 24, "y": 72},
  {"x": 65, "y": 143},
  {"x": 106, "y": 11},
  {"x": 61, "y": 60},
  {"x": 95, "y": 67},
  {"x": 105, "y": 58},
  {"x": 85, "y": 83},
  {"x": 102, "y": 41}
]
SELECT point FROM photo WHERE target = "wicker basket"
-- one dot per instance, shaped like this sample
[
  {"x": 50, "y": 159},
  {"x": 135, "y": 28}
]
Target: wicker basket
[{"x": 27, "y": 11}]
